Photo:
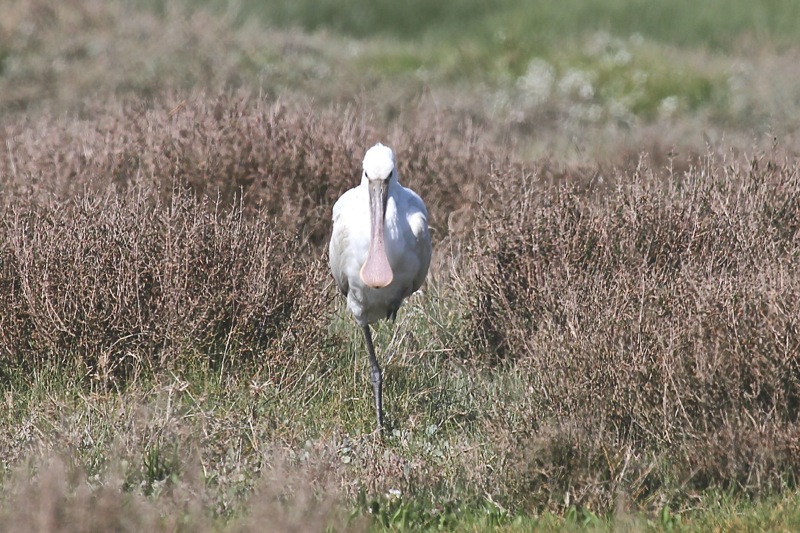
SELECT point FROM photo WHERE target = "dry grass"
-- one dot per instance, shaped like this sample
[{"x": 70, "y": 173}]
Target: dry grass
[{"x": 54, "y": 495}]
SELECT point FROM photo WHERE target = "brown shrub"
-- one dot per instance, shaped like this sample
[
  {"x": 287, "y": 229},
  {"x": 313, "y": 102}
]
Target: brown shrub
[
  {"x": 59, "y": 498},
  {"x": 285, "y": 160},
  {"x": 660, "y": 316},
  {"x": 106, "y": 259},
  {"x": 125, "y": 281}
]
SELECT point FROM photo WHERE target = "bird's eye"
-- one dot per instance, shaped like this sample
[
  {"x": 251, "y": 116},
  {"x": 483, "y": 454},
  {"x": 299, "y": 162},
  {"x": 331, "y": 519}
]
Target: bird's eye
[{"x": 366, "y": 175}]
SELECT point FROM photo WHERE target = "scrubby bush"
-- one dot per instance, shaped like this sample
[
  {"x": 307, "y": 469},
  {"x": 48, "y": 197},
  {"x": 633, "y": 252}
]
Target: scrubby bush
[
  {"x": 284, "y": 161},
  {"x": 124, "y": 282},
  {"x": 140, "y": 232},
  {"x": 657, "y": 322}
]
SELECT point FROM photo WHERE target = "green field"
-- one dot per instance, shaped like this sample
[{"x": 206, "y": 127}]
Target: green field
[{"x": 608, "y": 338}]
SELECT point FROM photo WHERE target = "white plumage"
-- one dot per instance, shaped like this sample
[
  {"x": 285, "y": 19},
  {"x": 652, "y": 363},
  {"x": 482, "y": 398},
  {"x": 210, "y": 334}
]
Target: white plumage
[{"x": 380, "y": 248}]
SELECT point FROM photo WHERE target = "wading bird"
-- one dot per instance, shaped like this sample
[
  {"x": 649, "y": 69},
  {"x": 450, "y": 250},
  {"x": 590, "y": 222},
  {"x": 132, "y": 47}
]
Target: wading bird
[{"x": 380, "y": 249}]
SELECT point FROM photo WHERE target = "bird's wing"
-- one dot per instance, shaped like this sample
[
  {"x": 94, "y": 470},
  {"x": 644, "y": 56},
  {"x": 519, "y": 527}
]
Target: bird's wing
[
  {"x": 338, "y": 246},
  {"x": 336, "y": 258},
  {"x": 418, "y": 222}
]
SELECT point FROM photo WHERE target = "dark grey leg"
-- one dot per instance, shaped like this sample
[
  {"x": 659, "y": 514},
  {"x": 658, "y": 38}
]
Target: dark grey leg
[{"x": 375, "y": 377}]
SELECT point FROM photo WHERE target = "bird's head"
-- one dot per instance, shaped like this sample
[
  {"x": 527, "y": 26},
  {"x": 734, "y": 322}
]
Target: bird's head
[
  {"x": 376, "y": 272},
  {"x": 379, "y": 163}
]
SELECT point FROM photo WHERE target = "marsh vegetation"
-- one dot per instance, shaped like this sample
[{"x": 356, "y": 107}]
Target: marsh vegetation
[{"x": 608, "y": 337}]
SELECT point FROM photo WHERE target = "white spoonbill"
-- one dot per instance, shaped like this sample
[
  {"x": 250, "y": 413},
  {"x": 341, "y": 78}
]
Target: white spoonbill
[{"x": 380, "y": 249}]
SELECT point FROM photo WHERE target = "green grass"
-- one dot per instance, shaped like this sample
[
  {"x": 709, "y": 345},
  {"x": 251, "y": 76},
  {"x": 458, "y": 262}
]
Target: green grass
[
  {"x": 696, "y": 63},
  {"x": 510, "y": 32},
  {"x": 537, "y": 25},
  {"x": 393, "y": 513},
  {"x": 155, "y": 436},
  {"x": 468, "y": 42}
]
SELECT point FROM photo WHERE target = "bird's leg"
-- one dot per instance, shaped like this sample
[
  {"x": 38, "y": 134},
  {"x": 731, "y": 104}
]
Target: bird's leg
[{"x": 375, "y": 377}]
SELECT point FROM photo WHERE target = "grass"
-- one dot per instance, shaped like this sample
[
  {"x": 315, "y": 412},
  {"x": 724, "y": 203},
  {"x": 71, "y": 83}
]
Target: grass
[
  {"x": 590, "y": 97},
  {"x": 469, "y": 41},
  {"x": 607, "y": 339},
  {"x": 541, "y": 25}
]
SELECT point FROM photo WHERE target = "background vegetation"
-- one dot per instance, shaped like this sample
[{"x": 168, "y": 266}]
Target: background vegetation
[{"x": 608, "y": 338}]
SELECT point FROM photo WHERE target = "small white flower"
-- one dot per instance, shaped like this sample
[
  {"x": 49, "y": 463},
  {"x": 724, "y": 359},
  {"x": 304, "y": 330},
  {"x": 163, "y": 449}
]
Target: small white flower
[
  {"x": 619, "y": 110},
  {"x": 598, "y": 44},
  {"x": 576, "y": 83},
  {"x": 622, "y": 57},
  {"x": 668, "y": 106},
  {"x": 537, "y": 83}
]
